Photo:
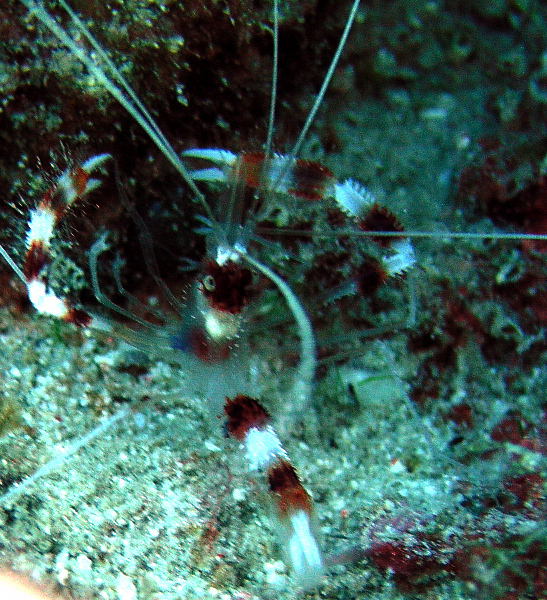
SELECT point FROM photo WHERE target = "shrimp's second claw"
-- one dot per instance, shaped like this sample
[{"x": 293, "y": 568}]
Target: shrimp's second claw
[{"x": 224, "y": 159}]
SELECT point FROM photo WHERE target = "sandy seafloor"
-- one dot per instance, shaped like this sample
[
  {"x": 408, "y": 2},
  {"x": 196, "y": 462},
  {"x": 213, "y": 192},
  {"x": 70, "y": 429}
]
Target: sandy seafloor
[{"x": 160, "y": 507}]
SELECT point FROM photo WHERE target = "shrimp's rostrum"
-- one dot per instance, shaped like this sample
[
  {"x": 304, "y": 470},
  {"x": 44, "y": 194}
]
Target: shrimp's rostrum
[{"x": 182, "y": 275}]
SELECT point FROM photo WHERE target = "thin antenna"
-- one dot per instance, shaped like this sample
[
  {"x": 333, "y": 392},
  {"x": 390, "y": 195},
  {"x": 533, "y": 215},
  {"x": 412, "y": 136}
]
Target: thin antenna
[
  {"x": 59, "y": 459},
  {"x": 453, "y": 235},
  {"x": 275, "y": 67},
  {"x": 268, "y": 148},
  {"x": 319, "y": 99},
  {"x": 11, "y": 263}
]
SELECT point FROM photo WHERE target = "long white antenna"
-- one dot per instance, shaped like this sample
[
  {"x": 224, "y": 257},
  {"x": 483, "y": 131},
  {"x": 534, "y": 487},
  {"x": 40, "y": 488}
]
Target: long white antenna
[
  {"x": 452, "y": 235},
  {"x": 9, "y": 260},
  {"x": 319, "y": 98},
  {"x": 326, "y": 82},
  {"x": 63, "y": 457},
  {"x": 275, "y": 67}
]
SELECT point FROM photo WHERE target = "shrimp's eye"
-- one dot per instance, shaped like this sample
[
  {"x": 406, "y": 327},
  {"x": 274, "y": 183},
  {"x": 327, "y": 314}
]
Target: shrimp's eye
[
  {"x": 208, "y": 283},
  {"x": 228, "y": 288}
]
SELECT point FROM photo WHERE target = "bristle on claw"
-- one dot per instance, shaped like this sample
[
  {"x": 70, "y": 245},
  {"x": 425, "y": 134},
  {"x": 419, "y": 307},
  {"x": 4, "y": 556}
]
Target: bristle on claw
[{"x": 352, "y": 198}]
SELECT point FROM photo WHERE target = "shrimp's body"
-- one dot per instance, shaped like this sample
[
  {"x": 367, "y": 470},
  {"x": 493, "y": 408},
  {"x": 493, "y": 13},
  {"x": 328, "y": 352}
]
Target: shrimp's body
[{"x": 234, "y": 273}]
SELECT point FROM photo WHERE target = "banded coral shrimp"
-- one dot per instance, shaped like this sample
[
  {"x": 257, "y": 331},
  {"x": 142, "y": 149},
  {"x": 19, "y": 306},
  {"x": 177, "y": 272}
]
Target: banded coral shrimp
[{"x": 137, "y": 520}]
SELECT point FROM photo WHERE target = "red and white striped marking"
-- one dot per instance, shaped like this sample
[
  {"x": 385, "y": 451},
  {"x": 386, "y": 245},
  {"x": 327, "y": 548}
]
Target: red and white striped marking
[
  {"x": 71, "y": 186},
  {"x": 313, "y": 182},
  {"x": 249, "y": 423}
]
